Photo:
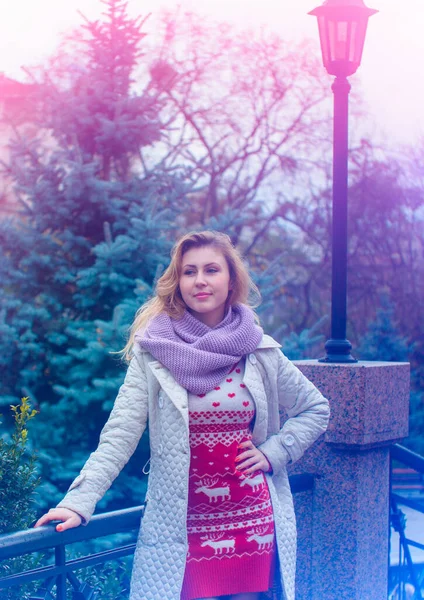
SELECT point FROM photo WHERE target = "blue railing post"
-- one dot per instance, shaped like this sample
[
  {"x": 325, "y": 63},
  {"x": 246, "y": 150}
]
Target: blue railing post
[
  {"x": 60, "y": 561},
  {"x": 407, "y": 572}
]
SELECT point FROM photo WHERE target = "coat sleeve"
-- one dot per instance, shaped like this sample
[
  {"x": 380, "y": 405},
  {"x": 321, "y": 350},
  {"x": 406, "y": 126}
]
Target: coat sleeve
[
  {"x": 308, "y": 415},
  {"x": 118, "y": 440}
]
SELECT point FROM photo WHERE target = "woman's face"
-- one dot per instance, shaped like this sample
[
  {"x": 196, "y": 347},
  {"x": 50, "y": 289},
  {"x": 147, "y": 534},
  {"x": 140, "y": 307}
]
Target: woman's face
[{"x": 205, "y": 283}]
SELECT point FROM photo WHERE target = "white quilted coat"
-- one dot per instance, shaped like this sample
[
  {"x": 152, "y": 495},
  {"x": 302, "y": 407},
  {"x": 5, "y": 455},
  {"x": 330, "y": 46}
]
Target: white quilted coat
[{"x": 150, "y": 394}]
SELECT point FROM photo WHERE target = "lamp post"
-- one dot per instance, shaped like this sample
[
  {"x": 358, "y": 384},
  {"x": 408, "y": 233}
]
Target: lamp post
[{"x": 342, "y": 27}]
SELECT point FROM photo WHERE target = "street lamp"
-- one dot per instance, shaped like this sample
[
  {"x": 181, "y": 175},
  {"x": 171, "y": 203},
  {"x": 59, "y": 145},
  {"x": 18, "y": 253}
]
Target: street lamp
[{"x": 342, "y": 27}]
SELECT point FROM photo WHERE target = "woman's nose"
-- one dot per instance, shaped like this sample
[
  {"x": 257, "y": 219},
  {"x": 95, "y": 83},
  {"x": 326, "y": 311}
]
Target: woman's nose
[{"x": 200, "y": 279}]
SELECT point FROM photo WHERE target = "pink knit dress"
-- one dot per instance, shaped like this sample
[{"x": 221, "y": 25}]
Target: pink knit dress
[{"x": 230, "y": 520}]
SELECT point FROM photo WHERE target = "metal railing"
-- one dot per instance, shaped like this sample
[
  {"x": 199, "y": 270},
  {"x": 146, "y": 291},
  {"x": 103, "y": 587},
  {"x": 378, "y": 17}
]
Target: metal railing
[
  {"x": 406, "y": 580},
  {"x": 56, "y": 575},
  {"x": 47, "y": 538}
]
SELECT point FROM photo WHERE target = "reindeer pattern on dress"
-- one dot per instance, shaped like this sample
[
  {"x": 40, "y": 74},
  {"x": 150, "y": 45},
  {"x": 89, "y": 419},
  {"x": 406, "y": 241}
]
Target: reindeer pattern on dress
[
  {"x": 215, "y": 541},
  {"x": 255, "y": 482},
  {"x": 259, "y": 535},
  {"x": 214, "y": 494}
]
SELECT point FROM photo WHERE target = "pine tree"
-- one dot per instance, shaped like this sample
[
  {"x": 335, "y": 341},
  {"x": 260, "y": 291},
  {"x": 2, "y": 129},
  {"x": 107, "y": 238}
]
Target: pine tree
[
  {"x": 303, "y": 345},
  {"x": 384, "y": 342},
  {"x": 83, "y": 254}
]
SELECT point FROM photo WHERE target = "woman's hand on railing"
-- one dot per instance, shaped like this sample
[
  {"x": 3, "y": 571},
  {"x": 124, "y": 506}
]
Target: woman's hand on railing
[{"x": 68, "y": 517}]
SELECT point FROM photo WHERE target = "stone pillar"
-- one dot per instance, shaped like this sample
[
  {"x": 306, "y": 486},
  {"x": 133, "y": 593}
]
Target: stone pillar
[{"x": 343, "y": 524}]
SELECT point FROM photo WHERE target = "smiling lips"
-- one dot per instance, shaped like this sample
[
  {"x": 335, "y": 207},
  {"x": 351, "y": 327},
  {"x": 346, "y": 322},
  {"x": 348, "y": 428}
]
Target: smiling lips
[{"x": 202, "y": 295}]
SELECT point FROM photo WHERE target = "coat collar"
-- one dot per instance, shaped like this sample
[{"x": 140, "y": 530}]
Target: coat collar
[{"x": 267, "y": 342}]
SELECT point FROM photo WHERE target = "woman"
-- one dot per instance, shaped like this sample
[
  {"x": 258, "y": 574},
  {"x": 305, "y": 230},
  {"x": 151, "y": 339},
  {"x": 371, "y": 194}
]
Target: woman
[{"x": 219, "y": 519}]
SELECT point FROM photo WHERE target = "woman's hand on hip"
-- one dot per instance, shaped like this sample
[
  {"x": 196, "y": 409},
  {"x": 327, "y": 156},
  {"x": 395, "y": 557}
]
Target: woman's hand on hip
[
  {"x": 251, "y": 459},
  {"x": 68, "y": 517}
]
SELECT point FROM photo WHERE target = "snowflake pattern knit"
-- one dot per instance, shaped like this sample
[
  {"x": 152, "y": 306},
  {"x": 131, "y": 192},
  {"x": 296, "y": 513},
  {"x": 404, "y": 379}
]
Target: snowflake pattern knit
[{"x": 230, "y": 521}]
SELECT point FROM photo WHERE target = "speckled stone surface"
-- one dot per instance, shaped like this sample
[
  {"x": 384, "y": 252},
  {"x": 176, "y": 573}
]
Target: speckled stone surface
[
  {"x": 303, "y": 507},
  {"x": 343, "y": 524},
  {"x": 369, "y": 400}
]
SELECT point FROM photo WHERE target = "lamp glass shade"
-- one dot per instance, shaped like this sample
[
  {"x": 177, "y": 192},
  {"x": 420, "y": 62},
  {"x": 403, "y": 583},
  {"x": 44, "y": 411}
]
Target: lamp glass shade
[{"x": 342, "y": 30}]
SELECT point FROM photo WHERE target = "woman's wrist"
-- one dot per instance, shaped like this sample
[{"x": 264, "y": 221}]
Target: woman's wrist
[{"x": 269, "y": 469}]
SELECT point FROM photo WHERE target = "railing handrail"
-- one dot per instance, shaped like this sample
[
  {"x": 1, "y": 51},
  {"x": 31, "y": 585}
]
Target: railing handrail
[
  {"x": 407, "y": 457},
  {"x": 409, "y": 502},
  {"x": 17, "y": 543},
  {"x": 119, "y": 521}
]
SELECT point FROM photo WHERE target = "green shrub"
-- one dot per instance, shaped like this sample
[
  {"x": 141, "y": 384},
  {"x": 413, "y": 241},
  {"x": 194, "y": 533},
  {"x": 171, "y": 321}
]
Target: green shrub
[
  {"x": 18, "y": 482},
  {"x": 18, "y": 473}
]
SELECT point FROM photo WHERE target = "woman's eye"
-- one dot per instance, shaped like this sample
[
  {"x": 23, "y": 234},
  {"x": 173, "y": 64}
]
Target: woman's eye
[
  {"x": 212, "y": 270},
  {"x": 188, "y": 272}
]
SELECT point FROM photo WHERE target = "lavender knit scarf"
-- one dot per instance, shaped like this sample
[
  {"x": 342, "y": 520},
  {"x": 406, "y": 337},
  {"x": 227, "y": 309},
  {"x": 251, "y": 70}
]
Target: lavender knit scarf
[{"x": 197, "y": 356}]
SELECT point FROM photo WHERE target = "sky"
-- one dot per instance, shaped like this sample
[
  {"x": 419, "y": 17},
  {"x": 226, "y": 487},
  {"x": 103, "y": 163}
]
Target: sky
[{"x": 390, "y": 75}]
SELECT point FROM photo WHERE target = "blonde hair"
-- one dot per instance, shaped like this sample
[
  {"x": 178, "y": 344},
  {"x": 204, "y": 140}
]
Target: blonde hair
[{"x": 168, "y": 297}]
